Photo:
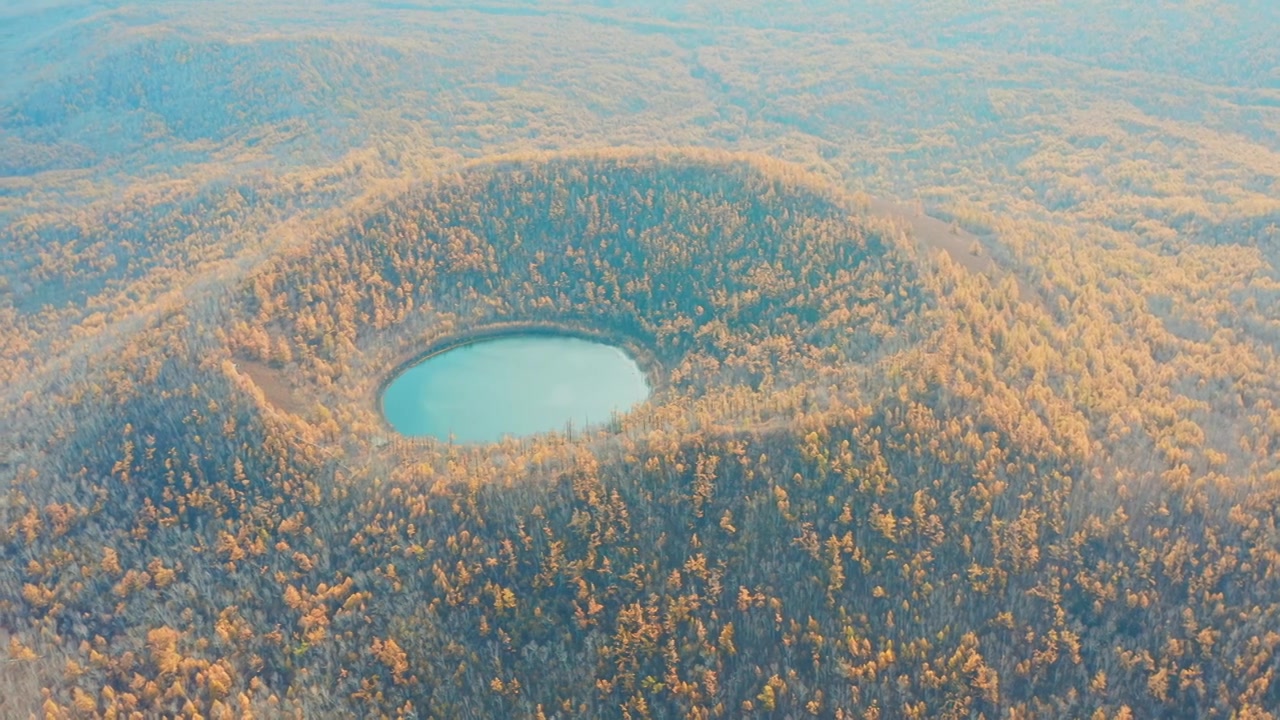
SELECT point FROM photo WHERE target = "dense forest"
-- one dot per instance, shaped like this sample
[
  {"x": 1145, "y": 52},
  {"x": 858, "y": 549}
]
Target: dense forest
[{"x": 963, "y": 330}]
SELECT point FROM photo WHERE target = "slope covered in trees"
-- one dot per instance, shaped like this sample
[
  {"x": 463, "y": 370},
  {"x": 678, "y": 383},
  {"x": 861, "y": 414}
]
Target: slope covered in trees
[
  {"x": 1036, "y": 477},
  {"x": 731, "y": 273},
  {"x": 838, "y": 505}
]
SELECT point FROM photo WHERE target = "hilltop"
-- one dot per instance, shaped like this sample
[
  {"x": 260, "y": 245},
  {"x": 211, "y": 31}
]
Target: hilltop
[{"x": 963, "y": 328}]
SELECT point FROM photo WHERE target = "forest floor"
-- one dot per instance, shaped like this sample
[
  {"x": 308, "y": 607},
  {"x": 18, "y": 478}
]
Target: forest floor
[
  {"x": 275, "y": 386},
  {"x": 964, "y": 247}
]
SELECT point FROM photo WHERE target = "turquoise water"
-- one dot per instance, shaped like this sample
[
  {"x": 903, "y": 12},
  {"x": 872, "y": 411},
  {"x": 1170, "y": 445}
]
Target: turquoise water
[{"x": 518, "y": 385}]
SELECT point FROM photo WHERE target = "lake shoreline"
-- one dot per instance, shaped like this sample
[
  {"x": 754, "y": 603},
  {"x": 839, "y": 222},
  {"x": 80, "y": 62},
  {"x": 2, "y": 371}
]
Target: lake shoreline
[{"x": 655, "y": 374}]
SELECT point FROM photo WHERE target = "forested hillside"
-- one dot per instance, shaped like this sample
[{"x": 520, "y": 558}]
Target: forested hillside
[{"x": 962, "y": 330}]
